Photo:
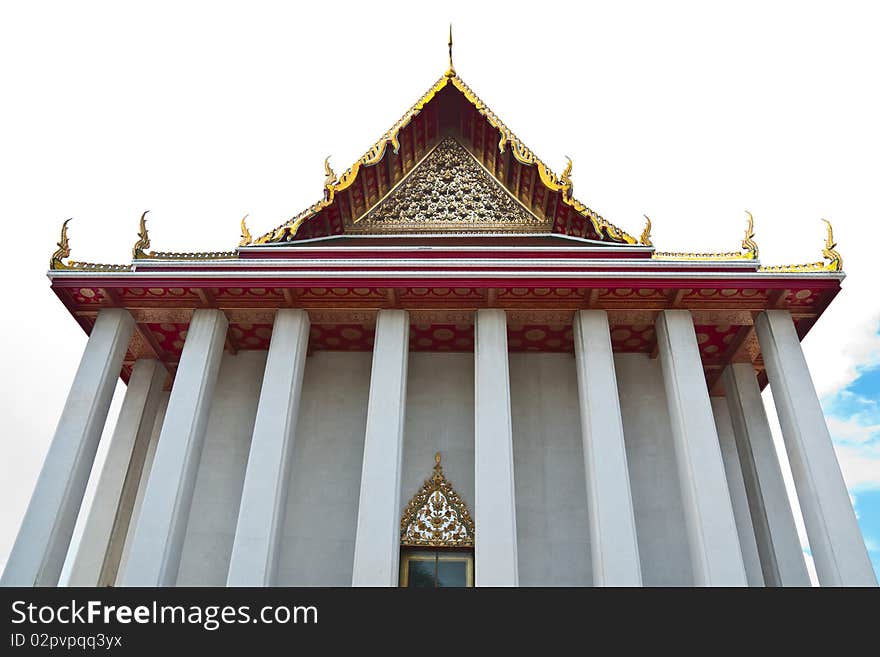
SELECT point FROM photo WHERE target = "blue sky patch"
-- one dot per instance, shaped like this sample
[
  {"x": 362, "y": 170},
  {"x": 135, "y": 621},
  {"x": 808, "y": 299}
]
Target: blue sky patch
[{"x": 854, "y": 420}]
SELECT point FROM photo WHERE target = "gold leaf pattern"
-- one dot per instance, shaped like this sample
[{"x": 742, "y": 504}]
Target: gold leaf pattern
[{"x": 436, "y": 516}]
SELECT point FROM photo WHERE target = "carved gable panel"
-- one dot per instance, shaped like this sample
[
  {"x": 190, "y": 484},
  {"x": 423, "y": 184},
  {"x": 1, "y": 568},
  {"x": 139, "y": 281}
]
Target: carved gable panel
[{"x": 449, "y": 191}]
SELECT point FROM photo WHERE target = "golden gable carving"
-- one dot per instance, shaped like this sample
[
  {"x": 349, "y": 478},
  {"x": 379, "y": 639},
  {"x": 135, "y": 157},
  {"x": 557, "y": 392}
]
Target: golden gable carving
[{"x": 436, "y": 516}]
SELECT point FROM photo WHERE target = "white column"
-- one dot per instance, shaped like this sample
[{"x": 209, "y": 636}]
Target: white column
[
  {"x": 155, "y": 551},
  {"x": 782, "y": 559},
  {"x": 714, "y": 544},
  {"x": 738, "y": 498},
  {"x": 613, "y": 542},
  {"x": 142, "y": 485},
  {"x": 95, "y": 563},
  {"x": 495, "y": 553},
  {"x": 254, "y": 558},
  {"x": 41, "y": 546},
  {"x": 377, "y": 544},
  {"x": 835, "y": 540}
]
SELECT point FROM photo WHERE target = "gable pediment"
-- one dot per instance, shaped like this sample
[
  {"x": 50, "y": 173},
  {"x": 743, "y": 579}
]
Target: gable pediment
[
  {"x": 449, "y": 191},
  {"x": 449, "y": 109}
]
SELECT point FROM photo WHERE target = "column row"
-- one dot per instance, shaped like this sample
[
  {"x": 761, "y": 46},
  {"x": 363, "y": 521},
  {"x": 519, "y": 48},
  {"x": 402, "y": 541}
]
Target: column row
[{"x": 716, "y": 526}]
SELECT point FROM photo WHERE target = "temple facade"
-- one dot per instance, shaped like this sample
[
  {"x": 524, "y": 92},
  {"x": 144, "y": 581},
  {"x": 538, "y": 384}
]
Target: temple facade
[{"x": 448, "y": 371}]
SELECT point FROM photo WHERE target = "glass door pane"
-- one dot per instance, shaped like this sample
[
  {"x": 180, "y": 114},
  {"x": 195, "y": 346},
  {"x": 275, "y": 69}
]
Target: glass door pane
[
  {"x": 421, "y": 573},
  {"x": 451, "y": 573}
]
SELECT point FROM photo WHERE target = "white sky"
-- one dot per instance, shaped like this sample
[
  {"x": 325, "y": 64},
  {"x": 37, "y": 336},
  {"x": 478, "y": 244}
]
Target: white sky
[{"x": 202, "y": 112}]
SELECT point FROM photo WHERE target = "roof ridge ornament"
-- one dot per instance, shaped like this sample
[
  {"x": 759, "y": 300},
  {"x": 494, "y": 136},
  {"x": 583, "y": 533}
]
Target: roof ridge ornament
[
  {"x": 830, "y": 253},
  {"x": 565, "y": 179},
  {"x": 645, "y": 239},
  {"x": 143, "y": 242},
  {"x": 245, "y": 233},
  {"x": 749, "y": 244},
  {"x": 450, "y": 72},
  {"x": 436, "y": 516},
  {"x": 63, "y": 250},
  {"x": 329, "y": 177}
]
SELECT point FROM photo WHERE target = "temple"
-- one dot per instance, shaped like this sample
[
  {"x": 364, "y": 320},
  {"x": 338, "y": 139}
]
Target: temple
[{"x": 447, "y": 371}]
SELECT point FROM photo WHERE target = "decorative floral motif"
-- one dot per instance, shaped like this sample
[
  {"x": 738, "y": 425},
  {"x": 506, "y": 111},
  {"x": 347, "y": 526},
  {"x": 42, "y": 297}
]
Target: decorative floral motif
[
  {"x": 436, "y": 516},
  {"x": 449, "y": 190}
]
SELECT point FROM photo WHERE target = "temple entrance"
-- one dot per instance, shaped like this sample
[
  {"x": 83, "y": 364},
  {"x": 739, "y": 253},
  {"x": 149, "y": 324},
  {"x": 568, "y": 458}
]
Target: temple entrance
[
  {"x": 439, "y": 568},
  {"x": 436, "y": 537}
]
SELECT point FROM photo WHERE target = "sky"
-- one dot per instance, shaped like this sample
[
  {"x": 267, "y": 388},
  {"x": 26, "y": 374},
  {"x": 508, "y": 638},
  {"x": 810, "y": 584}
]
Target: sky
[{"x": 690, "y": 112}]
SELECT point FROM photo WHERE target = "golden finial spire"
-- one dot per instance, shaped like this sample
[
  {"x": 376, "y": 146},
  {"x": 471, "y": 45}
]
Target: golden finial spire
[
  {"x": 645, "y": 239},
  {"x": 565, "y": 179},
  {"x": 330, "y": 175},
  {"x": 830, "y": 253},
  {"x": 749, "y": 243},
  {"x": 438, "y": 469},
  {"x": 143, "y": 242},
  {"x": 63, "y": 250},
  {"x": 245, "y": 233},
  {"x": 451, "y": 70}
]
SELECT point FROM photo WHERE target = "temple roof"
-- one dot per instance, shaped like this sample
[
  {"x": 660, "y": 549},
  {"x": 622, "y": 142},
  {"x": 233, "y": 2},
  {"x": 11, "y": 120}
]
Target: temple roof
[
  {"x": 448, "y": 213},
  {"x": 449, "y": 169},
  {"x": 449, "y": 107}
]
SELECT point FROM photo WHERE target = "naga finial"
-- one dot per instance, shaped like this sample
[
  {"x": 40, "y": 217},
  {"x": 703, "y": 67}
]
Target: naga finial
[
  {"x": 438, "y": 469},
  {"x": 451, "y": 70},
  {"x": 63, "y": 250},
  {"x": 749, "y": 243},
  {"x": 330, "y": 178},
  {"x": 645, "y": 239},
  {"x": 565, "y": 178},
  {"x": 245, "y": 233},
  {"x": 835, "y": 261},
  {"x": 143, "y": 241}
]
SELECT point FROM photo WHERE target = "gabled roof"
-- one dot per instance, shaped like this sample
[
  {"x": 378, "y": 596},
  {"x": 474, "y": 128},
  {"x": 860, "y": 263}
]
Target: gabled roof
[
  {"x": 449, "y": 109},
  {"x": 449, "y": 106}
]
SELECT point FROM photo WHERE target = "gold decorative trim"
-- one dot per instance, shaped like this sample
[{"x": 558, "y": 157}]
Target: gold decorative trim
[
  {"x": 193, "y": 255},
  {"x": 520, "y": 151},
  {"x": 829, "y": 252},
  {"x": 748, "y": 243},
  {"x": 139, "y": 250},
  {"x": 645, "y": 239},
  {"x": 451, "y": 70},
  {"x": 63, "y": 250},
  {"x": 525, "y": 156},
  {"x": 436, "y": 516},
  {"x": 329, "y": 175},
  {"x": 245, "y": 233},
  {"x": 143, "y": 242},
  {"x": 56, "y": 261},
  {"x": 750, "y": 249},
  {"x": 449, "y": 189}
]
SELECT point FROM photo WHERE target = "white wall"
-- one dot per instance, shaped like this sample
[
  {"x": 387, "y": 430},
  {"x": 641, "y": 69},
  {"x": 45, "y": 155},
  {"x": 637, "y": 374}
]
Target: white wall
[
  {"x": 657, "y": 504},
  {"x": 439, "y": 418},
  {"x": 214, "y": 512},
  {"x": 317, "y": 544},
  {"x": 553, "y": 540}
]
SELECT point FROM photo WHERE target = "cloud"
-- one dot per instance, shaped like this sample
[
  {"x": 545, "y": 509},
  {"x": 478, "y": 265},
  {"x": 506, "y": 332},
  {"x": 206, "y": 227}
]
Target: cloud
[
  {"x": 860, "y": 465},
  {"x": 851, "y": 430},
  {"x": 853, "y": 416}
]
